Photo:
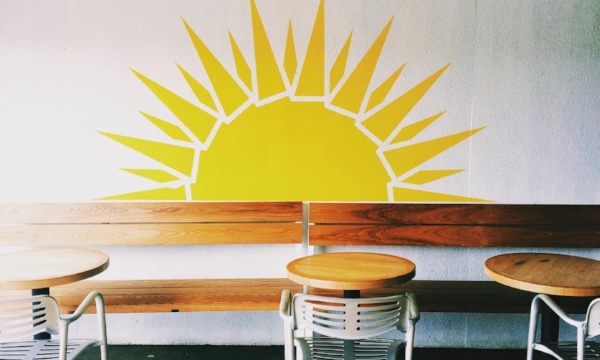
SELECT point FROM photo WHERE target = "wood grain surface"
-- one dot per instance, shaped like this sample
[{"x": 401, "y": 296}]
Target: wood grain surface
[
  {"x": 150, "y": 296},
  {"x": 150, "y": 223},
  {"x": 43, "y": 268},
  {"x": 551, "y": 274},
  {"x": 456, "y": 235},
  {"x": 150, "y": 234},
  {"x": 463, "y": 225},
  {"x": 149, "y": 212},
  {"x": 454, "y": 214},
  {"x": 147, "y": 296},
  {"x": 350, "y": 270}
]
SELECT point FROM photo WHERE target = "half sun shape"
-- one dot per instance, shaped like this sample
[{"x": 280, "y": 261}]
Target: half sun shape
[{"x": 280, "y": 130}]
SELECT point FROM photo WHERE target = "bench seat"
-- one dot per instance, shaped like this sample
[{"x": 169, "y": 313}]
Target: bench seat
[{"x": 150, "y": 296}]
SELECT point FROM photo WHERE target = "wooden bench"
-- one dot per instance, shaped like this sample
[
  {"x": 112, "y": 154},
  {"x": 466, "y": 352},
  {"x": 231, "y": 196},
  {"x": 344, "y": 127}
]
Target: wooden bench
[
  {"x": 326, "y": 224},
  {"x": 458, "y": 225},
  {"x": 159, "y": 223}
]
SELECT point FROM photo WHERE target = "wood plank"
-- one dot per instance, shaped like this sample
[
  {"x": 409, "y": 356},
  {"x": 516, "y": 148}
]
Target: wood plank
[
  {"x": 150, "y": 212},
  {"x": 141, "y": 296},
  {"x": 467, "y": 297},
  {"x": 149, "y": 234},
  {"x": 440, "y": 235},
  {"x": 454, "y": 214}
]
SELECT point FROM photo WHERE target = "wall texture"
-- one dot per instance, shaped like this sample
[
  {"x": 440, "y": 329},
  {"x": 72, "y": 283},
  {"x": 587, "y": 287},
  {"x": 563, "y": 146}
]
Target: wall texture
[{"x": 195, "y": 100}]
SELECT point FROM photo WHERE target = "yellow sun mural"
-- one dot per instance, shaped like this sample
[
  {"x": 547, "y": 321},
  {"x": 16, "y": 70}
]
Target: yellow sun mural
[{"x": 281, "y": 130}]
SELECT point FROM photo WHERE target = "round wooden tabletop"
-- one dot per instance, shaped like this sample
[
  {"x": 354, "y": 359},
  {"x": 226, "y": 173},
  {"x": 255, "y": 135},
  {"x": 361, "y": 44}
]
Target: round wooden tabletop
[
  {"x": 43, "y": 268},
  {"x": 551, "y": 274},
  {"x": 351, "y": 270}
]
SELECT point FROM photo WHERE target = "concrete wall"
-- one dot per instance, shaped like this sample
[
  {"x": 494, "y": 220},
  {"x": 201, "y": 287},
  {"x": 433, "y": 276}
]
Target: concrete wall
[{"x": 529, "y": 72}]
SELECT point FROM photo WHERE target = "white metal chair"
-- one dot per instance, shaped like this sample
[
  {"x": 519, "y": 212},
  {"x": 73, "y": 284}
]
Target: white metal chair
[
  {"x": 347, "y": 328},
  {"x": 586, "y": 329},
  {"x": 25, "y": 317}
]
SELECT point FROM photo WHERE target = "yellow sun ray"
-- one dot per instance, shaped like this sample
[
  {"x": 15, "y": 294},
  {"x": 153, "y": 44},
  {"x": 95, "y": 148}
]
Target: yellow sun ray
[
  {"x": 291, "y": 147},
  {"x": 383, "y": 90},
  {"x": 202, "y": 94},
  {"x": 412, "y": 195},
  {"x": 243, "y": 70},
  {"x": 312, "y": 76},
  {"x": 269, "y": 80},
  {"x": 290, "y": 62},
  {"x": 383, "y": 123},
  {"x": 230, "y": 94},
  {"x": 339, "y": 66},
  {"x": 412, "y": 130},
  {"x": 160, "y": 176},
  {"x": 173, "y": 131},
  {"x": 195, "y": 119},
  {"x": 159, "y": 194},
  {"x": 406, "y": 158},
  {"x": 352, "y": 93},
  {"x": 176, "y": 157},
  {"x": 427, "y": 176}
]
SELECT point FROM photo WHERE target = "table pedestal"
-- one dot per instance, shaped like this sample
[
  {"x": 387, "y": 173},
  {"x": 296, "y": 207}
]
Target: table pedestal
[
  {"x": 34, "y": 292},
  {"x": 351, "y": 294}
]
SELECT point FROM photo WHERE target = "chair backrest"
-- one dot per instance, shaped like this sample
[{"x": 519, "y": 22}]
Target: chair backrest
[
  {"x": 350, "y": 318},
  {"x": 28, "y": 316},
  {"x": 593, "y": 319}
]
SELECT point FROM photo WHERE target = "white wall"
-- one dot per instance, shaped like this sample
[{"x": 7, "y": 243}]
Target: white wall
[{"x": 528, "y": 71}]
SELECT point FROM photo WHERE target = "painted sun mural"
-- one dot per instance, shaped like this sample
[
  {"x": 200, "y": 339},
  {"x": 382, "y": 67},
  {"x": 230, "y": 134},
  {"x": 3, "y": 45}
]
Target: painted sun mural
[{"x": 285, "y": 130}]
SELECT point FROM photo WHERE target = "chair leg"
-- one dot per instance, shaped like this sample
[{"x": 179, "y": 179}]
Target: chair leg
[
  {"x": 102, "y": 325},
  {"x": 580, "y": 344},
  {"x": 533, "y": 317},
  {"x": 64, "y": 339},
  {"x": 410, "y": 340}
]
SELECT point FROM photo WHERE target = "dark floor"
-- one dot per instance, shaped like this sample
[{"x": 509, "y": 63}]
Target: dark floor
[{"x": 206, "y": 352}]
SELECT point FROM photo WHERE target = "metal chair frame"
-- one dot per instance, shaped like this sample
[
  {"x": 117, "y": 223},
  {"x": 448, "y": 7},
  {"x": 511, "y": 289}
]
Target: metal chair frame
[
  {"x": 347, "y": 328},
  {"x": 577, "y": 350},
  {"x": 24, "y": 317}
]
